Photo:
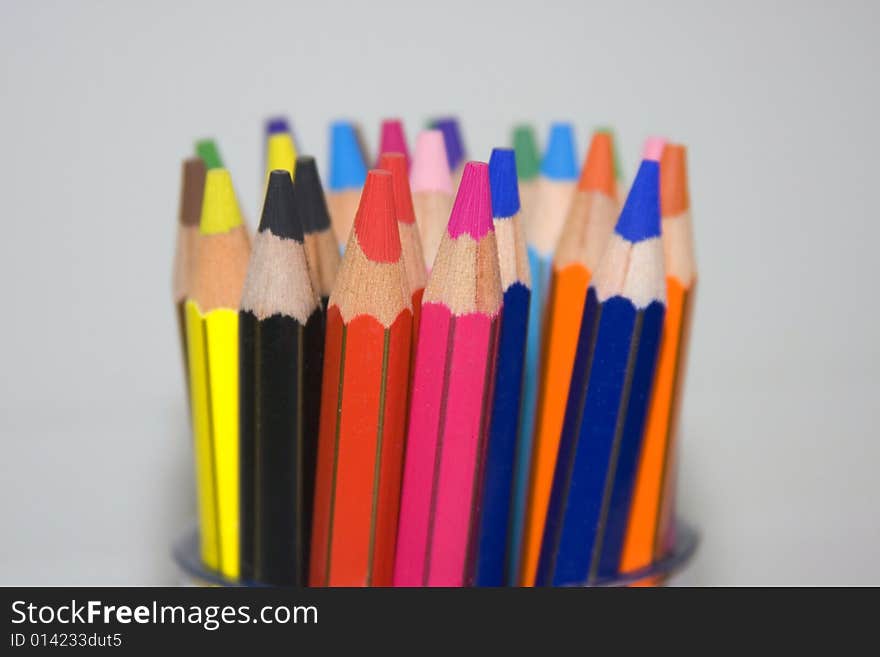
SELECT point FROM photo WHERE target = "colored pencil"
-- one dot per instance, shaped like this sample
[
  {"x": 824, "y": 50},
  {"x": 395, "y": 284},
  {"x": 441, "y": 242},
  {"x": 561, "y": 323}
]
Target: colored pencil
[
  {"x": 322, "y": 247},
  {"x": 212, "y": 342},
  {"x": 650, "y": 519},
  {"x": 493, "y": 558},
  {"x": 207, "y": 150},
  {"x": 348, "y": 170},
  {"x": 608, "y": 397},
  {"x": 528, "y": 165},
  {"x": 280, "y": 336},
  {"x": 455, "y": 150},
  {"x": 588, "y": 226},
  {"x": 392, "y": 139},
  {"x": 451, "y": 396},
  {"x": 363, "y": 401},
  {"x": 280, "y": 147},
  {"x": 410, "y": 243},
  {"x": 619, "y": 182},
  {"x": 553, "y": 193},
  {"x": 192, "y": 189},
  {"x": 432, "y": 191}
]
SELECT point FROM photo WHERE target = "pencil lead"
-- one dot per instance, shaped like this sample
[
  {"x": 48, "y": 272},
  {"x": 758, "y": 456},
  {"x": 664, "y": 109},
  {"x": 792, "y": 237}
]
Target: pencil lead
[
  {"x": 395, "y": 164},
  {"x": 526, "y": 147},
  {"x": 640, "y": 218},
  {"x": 674, "y": 195},
  {"x": 347, "y": 168},
  {"x": 310, "y": 200},
  {"x": 430, "y": 168},
  {"x": 375, "y": 223},
  {"x": 559, "y": 158},
  {"x": 618, "y": 168},
  {"x": 472, "y": 210},
  {"x": 452, "y": 139},
  {"x": 503, "y": 183},
  {"x": 193, "y": 191},
  {"x": 598, "y": 172},
  {"x": 392, "y": 139},
  {"x": 280, "y": 216},
  {"x": 653, "y": 148},
  {"x": 210, "y": 154},
  {"x": 220, "y": 212},
  {"x": 277, "y": 124}
]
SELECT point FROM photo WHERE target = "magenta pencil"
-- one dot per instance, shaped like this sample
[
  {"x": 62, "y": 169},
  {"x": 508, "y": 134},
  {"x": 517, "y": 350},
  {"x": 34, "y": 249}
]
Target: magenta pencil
[
  {"x": 451, "y": 396},
  {"x": 392, "y": 139}
]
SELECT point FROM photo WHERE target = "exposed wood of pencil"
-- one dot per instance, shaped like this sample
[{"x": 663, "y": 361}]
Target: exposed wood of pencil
[
  {"x": 212, "y": 339},
  {"x": 650, "y": 519},
  {"x": 322, "y": 247},
  {"x": 363, "y": 402},
  {"x": 432, "y": 191},
  {"x": 588, "y": 226}
]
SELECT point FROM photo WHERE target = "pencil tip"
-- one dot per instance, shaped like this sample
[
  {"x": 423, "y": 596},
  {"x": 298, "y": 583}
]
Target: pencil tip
[
  {"x": 559, "y": 158},
  {"x": 277, "y": 124},
  {"x": 618, "y": 168},
  {"x": 220, "y": 212},
  {"x": 310, "y": 201},
  {"x": 653, "y": 148},
  {"x": 375, "y": 224},
  {"x": 472, "y": 210},
  {"x": 503, "y": 183},
  {"x": 674, "y": 193},
  {"x": 526, "y": 147},
  {"x": 392, "y": 139},
  {"x": 193, "y": 190},
  {"x": 210, "y": 154},
  {"x": 347, "y": 167},
  {"x": 395, "y": 164},
  {"x": 640, "y": 218},
  {"x": 598, "y": 172},
  {"x": 430, "y": 167},
  {"x": 452, "y": 139},
  {"x": 280, "y": 215}
]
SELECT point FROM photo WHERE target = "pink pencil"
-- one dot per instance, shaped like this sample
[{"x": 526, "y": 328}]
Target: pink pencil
[
  {"x": 431, "y": 185},
  {"x": 451, "y": 396}
]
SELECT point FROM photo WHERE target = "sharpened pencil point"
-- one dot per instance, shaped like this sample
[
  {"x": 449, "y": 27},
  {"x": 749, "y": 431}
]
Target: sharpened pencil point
[
  {"x": 193, "y": 191},
  {"x": 452, "y": 139},
  {"x": 280, "y": 216},
  {"x": 618, "y": 167},
  {"x": 503, "y": 183},
  {"x": 528, "y": 162},
  {"x": 392, "y": 139},
  {"x": 210, "y": 154},
  {"x": 472, "y": 210},
  {"x": 395, "y": 164},
  {"x": 653, "y": 148},
  {"x": 598, "y": 172},
  {"x": 277, "y": 124},
  {"x": 430, "y": 168},
  {"x": 559, "y": 158},
  {"x": 674, "y": 195},
  {"x": 347, "y": 167},
  {"x": 375, "y": 224},
  {"x": 640, "y": 218},
  {"x": 220, "y": 212},
  {"x": 310, "y": 201}
]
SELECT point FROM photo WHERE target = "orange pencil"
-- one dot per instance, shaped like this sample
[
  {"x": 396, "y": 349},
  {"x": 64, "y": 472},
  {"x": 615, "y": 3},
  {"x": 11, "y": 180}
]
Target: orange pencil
[
  {"x": 363, "y": 401},
  {"x": 650, "y": 520},
  {"x": 588, "y": 225}
]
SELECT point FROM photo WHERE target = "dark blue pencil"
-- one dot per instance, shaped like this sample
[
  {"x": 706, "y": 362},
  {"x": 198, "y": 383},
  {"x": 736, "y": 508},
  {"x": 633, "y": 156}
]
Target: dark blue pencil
[
  {"x": 493, "y": 561},
  {"x": 608, "y": 397}
]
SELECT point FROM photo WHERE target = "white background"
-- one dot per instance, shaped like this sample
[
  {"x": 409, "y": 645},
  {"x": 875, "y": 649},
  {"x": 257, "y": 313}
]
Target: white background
[{"x": 778, "y": 103}]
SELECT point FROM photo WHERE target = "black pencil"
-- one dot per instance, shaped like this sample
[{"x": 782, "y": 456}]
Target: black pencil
[{"x": 280, "y": 343}]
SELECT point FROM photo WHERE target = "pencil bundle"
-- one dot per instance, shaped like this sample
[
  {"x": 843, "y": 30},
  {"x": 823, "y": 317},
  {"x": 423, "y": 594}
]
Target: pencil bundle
[
  {"x": 363, "y": 401},
  {"x": 493, "y": 559},
  {"x": 212, "y": 343},
  {"x": 588, "y": 225},
  {"x": 280, "y": 336},
  {"x": 649, "y": 532},
  {"x": 432, "y": 191},
  {"x": 348, "y": 171},
  {"x": 608, "y": 396},
  {"x": 451, "y": 396}
]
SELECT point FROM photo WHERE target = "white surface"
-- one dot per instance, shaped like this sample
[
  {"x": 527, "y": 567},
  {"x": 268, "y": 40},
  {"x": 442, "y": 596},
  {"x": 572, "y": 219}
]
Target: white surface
[{"x": 779, "y": 107}]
